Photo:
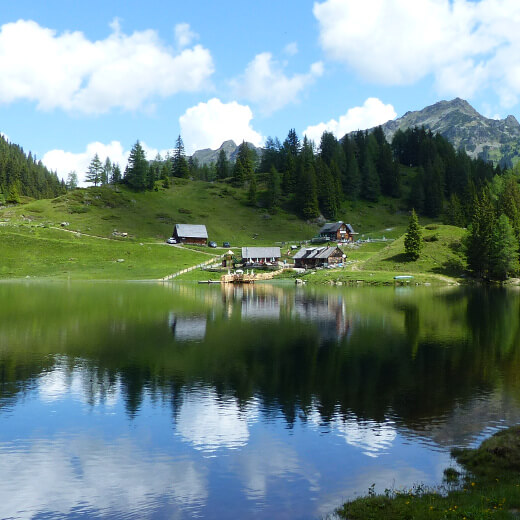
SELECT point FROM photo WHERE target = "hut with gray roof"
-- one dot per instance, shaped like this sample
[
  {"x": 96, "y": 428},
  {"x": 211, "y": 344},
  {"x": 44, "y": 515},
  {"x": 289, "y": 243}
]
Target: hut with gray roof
[
  {"x": 310, "y": 257},
  {"x": 191, "y": 234},
  {"x": 260, "y": 255}
]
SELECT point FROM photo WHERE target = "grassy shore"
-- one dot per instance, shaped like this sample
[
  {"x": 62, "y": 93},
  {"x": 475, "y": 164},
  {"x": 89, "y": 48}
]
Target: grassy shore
[
  {"x": 89, "y": 243},
  {"x": 488, "y": 488},
  {"x": 42, "y": 253}
]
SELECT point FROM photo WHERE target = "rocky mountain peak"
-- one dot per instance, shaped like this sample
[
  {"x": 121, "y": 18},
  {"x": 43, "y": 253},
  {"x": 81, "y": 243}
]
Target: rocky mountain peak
[{"x": 464, "y": 127}]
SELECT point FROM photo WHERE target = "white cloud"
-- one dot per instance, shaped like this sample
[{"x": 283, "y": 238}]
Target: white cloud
[
  {"x": 265, "y": 83},
  {"x": 64, "y": 162},
  {"x": 63, "y": 474},
  {"x": 184, "y": 36},
  {"x": 291, "y": 49},
  {"x": 208, "y": 125},
  {"x": 5, "y": 136},
  {"x": 373, "y": 112},
  {"x": 210, "y": 423},
  {"x": 70, "y": 72},
  {"x": 466, "y": 45}
]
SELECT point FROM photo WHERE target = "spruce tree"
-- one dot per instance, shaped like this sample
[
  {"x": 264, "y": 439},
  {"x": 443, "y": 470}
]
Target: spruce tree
[
  {"x": 307, "y": 189},
  {"x": 222, "y": 165},
  {"x": 503, "y": 251},
  {"x": 116, "y": 174},
  {"x": 95, "y": 170},
  {"x": 479, "y": 239},
  {"x": 137, "y": 168},
  {"x": 180, "y": 166},
  {"x": 106, "y": 172},
  {"x": 72, "y": 180},
  {"x": 413, "y": 238}
]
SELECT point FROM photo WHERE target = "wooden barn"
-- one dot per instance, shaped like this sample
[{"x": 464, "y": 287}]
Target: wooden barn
[
  {"x": 190, "y": 234},
  {"x": 337, "y": 232},
  {"x": 309, "y": 257},
  {"x": 260, "y": 255}
]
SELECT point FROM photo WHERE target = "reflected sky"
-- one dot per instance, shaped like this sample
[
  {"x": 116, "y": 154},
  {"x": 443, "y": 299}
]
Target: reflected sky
[{"x": 269, "y": 402}]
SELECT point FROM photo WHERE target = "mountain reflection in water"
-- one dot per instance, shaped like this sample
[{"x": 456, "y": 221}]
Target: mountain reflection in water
[{"x": 143, "y": 401}]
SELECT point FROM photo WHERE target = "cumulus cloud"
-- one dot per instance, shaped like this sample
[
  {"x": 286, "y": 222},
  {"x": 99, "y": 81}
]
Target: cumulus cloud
[
  {"x": 63, "y": 474},
  {"x": 373, "y": 112},
  {"x": 210, "y": 423},
  {"x": 64, "y": 162},
  {"x": 466, "y": 45},
  {"x": 70, "y": 72},
  {"x": 265, "y": 83},
  {"x": 208, "y": 125}
]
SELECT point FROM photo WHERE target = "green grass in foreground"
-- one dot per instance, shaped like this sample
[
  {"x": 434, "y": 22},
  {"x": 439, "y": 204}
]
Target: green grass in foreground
[
  {"x": 489, "y": 490},
  {"x": 39, "y": 252}
]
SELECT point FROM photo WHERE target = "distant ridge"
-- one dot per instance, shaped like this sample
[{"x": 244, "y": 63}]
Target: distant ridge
[
  {"x": 456, "y": 120},
  {"x": 207, "y": 156}
]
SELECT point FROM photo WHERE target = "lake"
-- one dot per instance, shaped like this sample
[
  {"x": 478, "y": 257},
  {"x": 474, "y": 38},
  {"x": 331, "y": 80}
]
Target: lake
[{"x": 270, "y": 401}]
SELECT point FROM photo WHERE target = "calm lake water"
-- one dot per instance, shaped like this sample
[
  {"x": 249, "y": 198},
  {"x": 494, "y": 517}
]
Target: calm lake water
[{"x": 188, "y": 401}]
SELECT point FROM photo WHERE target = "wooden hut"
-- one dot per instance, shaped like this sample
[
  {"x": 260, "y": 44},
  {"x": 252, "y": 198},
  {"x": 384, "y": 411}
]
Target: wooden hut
[
  {"x": 310, "y": 257},
  {"x": 191, "y": 234}
]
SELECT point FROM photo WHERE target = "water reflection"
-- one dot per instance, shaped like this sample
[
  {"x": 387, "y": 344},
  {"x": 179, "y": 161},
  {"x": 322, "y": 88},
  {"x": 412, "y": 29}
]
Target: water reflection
[
  {"x": 265, "y": 401},
  {"x": 209, "y": 422}
]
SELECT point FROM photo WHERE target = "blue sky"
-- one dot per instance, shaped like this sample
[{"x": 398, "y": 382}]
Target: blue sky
[{"x": 84, "y": 77}]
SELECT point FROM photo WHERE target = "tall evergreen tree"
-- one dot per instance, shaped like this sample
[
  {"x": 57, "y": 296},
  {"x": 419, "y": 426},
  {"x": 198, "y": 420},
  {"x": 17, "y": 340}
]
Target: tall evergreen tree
[
  {"x": 95, "y": 171},
  {"x": 137, "y": 168},
  {"x": 72, "y": 180},
  {"x": 478, "y": 241},
  {"x": 454, "y": 214},
  {"x": 116, "y": 177},
  {"x": 504, "y": 250},
  {"x": 180, "y": 166},
  {"x": 222, "y": 165},
  {"x": 243, "y": 169},
  {"x": 370, "y": 188},
  {"x": 413, "y": 237},
  {"x": 307, "y": 189},
  {"x": 106, "y": 173},
  {"x": 352, "y": 178}
]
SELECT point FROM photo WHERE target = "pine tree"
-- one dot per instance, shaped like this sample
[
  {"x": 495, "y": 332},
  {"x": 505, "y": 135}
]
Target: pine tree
[
  {"x": 307, "y": 189},
  {"x": 106, "y": 172},
  {"x": 504, "y": 250},
  {"x": 116, "y": 174},
  {"x": 180, "y": 166},
  {"x": 479, "y": 239},
  {"x": 243, "y": 169},
  {"x": 72, "y": 180},
  {"x": 94, "y": 171},
  {"x": 13, "y": 194},
  {"x": 137, "y": 168},
  {"x": 454, "y": 214},
  {"x": 222, "y": 165},
  {"x": 413, "y": 238}
]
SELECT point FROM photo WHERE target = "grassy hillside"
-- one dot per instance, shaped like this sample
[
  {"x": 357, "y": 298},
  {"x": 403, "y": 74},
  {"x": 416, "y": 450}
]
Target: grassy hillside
[
  {"x": 35, "y": 244},
  {"x": 40, "y": 252},
  {"x": 441, "y": 260}
]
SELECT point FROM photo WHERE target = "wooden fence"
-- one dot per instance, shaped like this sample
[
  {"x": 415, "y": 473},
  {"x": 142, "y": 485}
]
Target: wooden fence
[{"x": 192, "y": 268}]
